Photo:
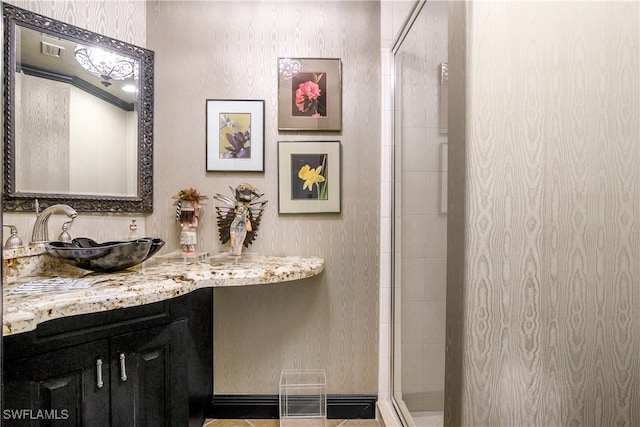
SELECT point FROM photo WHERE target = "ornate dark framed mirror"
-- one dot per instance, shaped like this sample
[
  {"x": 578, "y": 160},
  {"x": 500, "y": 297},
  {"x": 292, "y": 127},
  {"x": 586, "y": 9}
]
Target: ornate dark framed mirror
[{"x": 78, "y": 114}]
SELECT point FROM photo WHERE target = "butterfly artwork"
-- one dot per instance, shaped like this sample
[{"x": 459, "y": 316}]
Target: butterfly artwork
[{"x": 239, "y": 219}]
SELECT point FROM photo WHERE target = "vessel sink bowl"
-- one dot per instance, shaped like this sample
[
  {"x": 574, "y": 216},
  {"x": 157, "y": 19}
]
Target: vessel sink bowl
[{"x": 87, "y": 254}]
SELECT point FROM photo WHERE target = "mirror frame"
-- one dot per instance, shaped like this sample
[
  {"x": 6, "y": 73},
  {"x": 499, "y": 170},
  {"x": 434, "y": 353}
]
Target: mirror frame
[{"x": 14, "y": 201}]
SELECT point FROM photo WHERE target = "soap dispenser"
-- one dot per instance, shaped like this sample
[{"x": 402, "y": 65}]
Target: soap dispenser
[
  {"x": 14, "y": 241},
  {"x": 132, "y": 234}
]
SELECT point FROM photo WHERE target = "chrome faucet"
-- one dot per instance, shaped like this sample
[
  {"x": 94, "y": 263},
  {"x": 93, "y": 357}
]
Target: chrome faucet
[{"x": 40, "y": 229}]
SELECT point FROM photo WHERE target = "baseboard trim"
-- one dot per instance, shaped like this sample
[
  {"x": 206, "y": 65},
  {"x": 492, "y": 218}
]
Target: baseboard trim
[{"x": 266, "y": 406}]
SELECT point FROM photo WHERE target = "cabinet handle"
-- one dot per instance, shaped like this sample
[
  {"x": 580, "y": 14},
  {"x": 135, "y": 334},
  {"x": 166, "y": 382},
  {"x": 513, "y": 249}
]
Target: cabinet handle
[
  {"x": 99, "y": 381},
  {"x": 123, "y": 367}
]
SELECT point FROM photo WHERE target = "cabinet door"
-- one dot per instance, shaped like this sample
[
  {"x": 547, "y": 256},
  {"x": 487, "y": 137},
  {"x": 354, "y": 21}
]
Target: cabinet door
[
  {"x": 149, "y": 377},
  {"x": 68, "y": 387}
]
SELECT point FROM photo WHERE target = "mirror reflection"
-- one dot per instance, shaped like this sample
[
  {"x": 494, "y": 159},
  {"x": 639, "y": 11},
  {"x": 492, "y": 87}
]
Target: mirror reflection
[
  {"x": 57, "y": 101},
  {"x": 78, "y": 115}
]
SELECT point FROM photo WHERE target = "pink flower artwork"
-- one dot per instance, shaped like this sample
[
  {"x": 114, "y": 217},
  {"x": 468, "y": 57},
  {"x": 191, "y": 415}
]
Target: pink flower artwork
[{"x": 309, "y": 96}]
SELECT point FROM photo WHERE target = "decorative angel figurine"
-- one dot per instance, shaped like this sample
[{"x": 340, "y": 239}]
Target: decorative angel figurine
[{"x": 238, "y": 222}]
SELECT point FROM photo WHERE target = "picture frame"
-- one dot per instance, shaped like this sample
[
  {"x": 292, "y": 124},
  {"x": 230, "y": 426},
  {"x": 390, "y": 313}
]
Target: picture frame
[
  {"x": 309, "y": 94},
  {"x": 235, "y": 135},
  {"x": 309, "y": 176}
]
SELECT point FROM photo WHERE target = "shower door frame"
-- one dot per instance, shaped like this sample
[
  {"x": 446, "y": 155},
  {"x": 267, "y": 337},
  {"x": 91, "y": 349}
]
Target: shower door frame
[{"x": 395, "y": 394}]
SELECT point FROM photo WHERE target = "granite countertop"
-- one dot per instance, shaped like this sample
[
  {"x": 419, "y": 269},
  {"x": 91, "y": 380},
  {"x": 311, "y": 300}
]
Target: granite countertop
[{"x": 70, "y": 291}]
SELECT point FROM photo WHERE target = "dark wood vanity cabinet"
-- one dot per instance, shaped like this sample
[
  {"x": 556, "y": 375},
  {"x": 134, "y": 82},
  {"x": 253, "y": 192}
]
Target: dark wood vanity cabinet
[
  {"x": 142, "y": 366},
  {"x": 149, "y": 377},
  {"x": 61, "y": 383}
]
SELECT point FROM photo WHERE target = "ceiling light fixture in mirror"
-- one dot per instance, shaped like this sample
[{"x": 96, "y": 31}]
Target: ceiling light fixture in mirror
[{"x": 104, "y": 64}]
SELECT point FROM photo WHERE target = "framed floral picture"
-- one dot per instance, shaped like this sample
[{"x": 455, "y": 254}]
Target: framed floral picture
[
  {"x": 309, "y": 94},
  {"x": 235, "y": 135},
  {"x": 309, "y": 176}
]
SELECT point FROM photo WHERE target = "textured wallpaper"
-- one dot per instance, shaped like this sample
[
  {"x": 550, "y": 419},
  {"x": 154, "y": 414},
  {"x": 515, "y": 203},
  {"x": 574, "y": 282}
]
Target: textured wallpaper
[
  {"x": 43, "y": 119},
  {"x": 229, "y": 50},
  {"x": 124, "y": 20},
  {"x": 543, "y": 327}
]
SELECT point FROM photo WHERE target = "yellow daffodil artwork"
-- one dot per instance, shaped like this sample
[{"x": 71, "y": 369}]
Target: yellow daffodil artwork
[
  {"x": 310, "y": 177},
  {"x": 313, "y": 178}
]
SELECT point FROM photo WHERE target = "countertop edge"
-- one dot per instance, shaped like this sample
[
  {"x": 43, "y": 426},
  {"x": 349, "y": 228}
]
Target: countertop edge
[{"x": 23, "y": 312}]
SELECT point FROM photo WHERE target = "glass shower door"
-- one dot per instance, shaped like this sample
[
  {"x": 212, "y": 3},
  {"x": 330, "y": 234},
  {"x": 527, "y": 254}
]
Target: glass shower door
[{"x": 420, "y": 220}]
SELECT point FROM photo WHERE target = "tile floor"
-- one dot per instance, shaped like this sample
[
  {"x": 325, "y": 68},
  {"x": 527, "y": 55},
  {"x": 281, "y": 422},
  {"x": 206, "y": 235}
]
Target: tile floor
[{"x": 276, "y": 423}]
